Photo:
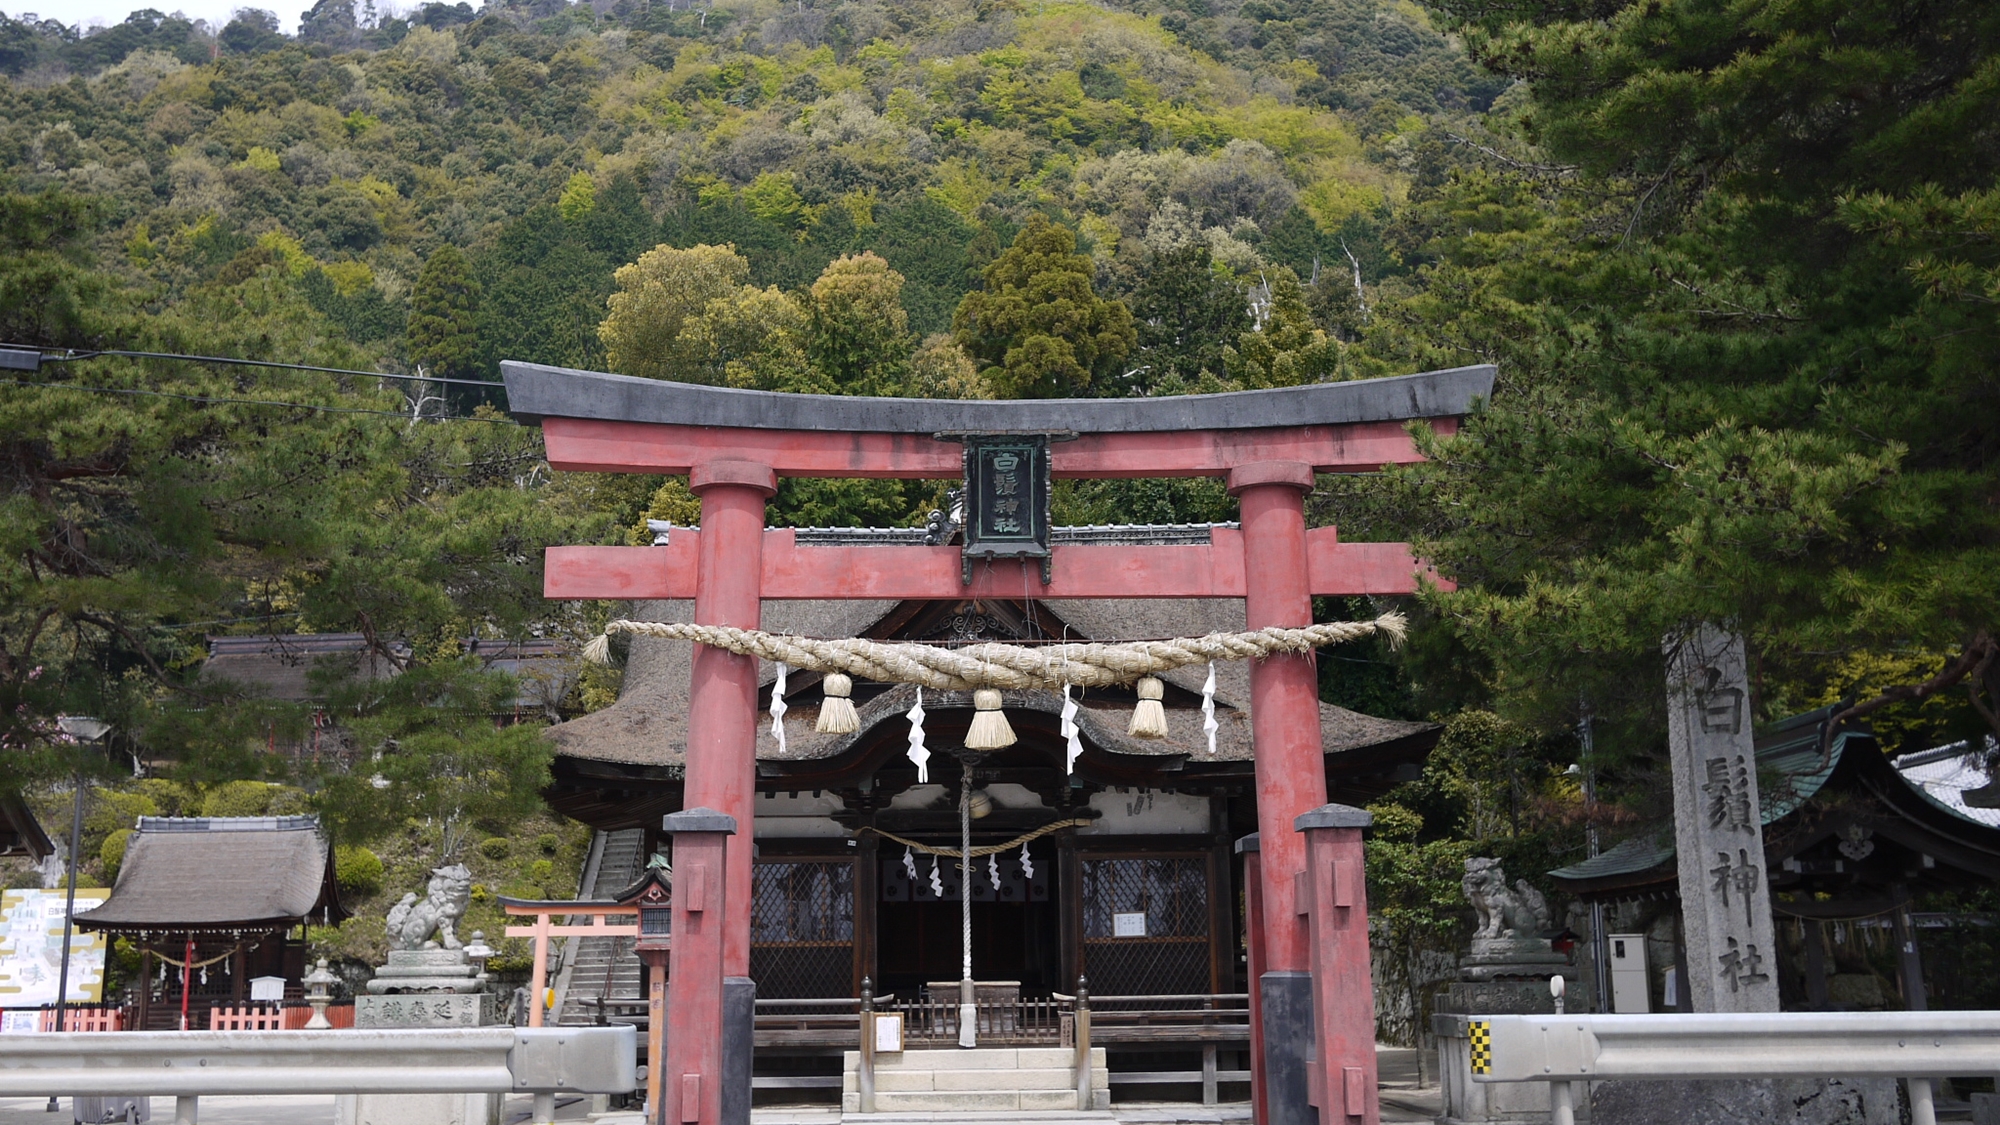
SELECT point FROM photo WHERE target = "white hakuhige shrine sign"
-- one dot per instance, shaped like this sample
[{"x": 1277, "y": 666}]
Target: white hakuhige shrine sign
[
  {"x": 31, "y": 947},
  {"x": 1718, "y": 829}
]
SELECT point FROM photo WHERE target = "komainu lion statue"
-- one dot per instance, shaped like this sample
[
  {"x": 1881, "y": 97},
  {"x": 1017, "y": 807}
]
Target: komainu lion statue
[
  {"x": 411, "y": 923},
  {"x": 1519, "y": 911}
]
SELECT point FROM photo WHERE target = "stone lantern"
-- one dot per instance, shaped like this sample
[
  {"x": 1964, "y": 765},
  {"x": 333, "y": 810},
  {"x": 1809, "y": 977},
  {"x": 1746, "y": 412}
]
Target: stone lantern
[{"x": 319, "y": 990}]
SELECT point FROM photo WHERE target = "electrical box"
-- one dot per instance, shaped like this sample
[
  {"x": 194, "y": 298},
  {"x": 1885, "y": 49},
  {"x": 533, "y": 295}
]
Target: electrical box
[{"x": 1629, "y": 992}]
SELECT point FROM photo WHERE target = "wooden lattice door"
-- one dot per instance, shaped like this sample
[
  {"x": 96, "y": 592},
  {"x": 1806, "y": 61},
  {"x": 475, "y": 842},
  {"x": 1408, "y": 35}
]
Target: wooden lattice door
[
  {"x": 802, "y": 928},
  {"x": 1145, "y": 924}
]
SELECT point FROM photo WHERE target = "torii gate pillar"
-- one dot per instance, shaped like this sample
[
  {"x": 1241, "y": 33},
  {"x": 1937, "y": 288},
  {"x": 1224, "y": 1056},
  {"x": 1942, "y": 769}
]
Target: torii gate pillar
[
  {"x": 734, "y": 445},
  {"x": 1291, "y": 775},
  {"x": 722, "y": 701}
]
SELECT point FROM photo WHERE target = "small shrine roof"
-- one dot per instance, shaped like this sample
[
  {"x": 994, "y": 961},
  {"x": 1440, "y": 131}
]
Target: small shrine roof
[{"x": 220, "y": 874}]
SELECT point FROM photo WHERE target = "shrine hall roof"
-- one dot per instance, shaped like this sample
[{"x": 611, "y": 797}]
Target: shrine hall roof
[
  {"x": 647, "y": 726},
  {"x": 1791, "y": 775},
  {"x": 220, "y": 874}
]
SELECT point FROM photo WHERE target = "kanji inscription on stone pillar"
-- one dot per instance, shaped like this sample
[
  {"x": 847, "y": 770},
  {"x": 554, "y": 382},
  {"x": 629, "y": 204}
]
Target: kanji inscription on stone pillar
[{"x": 1732, "y": 961}]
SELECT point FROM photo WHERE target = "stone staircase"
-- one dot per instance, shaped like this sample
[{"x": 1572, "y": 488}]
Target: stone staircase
[
  {"x": 604, "y": 966},
  {"x": 1039, "y": 1080}
]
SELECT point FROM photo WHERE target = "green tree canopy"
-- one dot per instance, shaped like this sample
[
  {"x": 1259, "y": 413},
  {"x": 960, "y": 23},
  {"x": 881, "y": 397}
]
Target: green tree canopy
[
  {"x": 1038, "y": 327},
  {"x": 860, "y": 335},
  {"x": 443, "y": 329},
  {"x": 1735, "y": 297}
]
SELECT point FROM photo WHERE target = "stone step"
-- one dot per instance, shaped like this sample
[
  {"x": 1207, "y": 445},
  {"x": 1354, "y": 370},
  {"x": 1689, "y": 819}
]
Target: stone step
[{"x": 998, "y": 1080}]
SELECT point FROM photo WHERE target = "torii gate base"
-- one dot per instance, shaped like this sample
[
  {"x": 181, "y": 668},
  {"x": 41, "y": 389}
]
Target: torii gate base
[{"x": 1313, "y": 1040}]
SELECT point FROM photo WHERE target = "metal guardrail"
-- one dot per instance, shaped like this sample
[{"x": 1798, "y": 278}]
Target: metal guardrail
[
  {"x": 188, "y": 1064},
  {"x": 1561, "y": 1049}
]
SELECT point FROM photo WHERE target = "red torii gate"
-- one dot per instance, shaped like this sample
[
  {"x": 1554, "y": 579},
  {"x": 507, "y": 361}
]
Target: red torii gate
[{"x": 734, "y": 445}]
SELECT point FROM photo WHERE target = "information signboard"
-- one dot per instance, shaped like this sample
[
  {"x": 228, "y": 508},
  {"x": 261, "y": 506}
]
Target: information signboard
[{"x": 31, "y": 939}]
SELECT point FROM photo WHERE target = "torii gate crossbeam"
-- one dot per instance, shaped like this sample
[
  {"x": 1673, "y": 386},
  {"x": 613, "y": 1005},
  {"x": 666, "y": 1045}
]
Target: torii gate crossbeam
[{"x": 1266, "y": 444}]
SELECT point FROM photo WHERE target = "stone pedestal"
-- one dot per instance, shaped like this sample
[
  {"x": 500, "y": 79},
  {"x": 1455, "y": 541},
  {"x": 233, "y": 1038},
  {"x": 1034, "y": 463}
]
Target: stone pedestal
[
  {"x": 1500, "y": 977},
  {"x": 423, "y": 988},
  {"x": 426, "y": 1010},
  {"x": 427, "y": 970}
]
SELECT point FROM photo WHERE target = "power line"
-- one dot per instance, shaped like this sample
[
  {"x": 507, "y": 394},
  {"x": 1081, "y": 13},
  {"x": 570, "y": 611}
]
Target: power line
[
  {"x": 21, "y": 354},
  {"x": 253, "y": 402}
]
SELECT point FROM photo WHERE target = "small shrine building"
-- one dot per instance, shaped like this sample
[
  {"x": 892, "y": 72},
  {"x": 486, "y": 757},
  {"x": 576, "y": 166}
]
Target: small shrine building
[
  {"x": 217, "y": 901},
  {"x": 1853, "y": 846}
]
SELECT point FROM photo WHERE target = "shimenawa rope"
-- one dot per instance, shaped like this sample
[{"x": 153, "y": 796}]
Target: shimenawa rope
[
  {"x": 1003, "y": 666},
  {"x": 986, "y": 669}
]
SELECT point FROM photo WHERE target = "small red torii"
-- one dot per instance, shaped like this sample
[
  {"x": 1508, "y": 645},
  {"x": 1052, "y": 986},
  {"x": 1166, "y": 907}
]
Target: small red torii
[{"x": 734, "y": 445}]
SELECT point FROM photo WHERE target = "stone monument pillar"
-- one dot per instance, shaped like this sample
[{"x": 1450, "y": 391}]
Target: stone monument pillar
[
  {"x": 1718, "y": 830},
  {"x": 426, "y": 983}
]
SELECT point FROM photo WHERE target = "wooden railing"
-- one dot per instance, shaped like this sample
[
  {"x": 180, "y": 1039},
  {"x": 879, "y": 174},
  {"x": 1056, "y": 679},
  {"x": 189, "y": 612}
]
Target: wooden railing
[{"x": 1027, "y": 1021}]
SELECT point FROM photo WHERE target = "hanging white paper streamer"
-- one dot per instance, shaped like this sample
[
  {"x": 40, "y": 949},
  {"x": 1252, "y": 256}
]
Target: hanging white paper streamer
[
  {"x": 1208, "y": 723},
  {"x": 204, "y": 974},
  {"x": 910, "y": 863},
  {"x": 937, "y": 881},
  {"x": 918, "y": 754},
  {"x": 1069, "y": 730},
  {"x": 993, "y": 870},
  {"x": 778, "y": 709},
  {"x": 1027, "y": 865}
]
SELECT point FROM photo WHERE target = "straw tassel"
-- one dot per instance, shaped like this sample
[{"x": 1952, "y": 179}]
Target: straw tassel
[
  {"x": 1149, "y": 718},
  {"x": 989, "y": 723},
  {"x": 836, "y": 711},
  {"x": 598, "y": 649}
]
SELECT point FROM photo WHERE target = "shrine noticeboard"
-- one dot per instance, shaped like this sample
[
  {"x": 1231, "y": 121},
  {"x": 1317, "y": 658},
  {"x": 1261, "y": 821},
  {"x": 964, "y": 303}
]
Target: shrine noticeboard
[{"x": 31, "y": 947}]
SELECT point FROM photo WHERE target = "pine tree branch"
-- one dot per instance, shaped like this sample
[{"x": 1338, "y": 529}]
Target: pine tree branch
[{"x": 1973, "y": 662}]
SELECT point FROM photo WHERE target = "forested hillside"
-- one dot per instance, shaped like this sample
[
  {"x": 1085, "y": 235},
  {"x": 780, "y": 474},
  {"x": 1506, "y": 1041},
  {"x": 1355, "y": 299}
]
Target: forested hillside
[{"x": 553, "y": 144}]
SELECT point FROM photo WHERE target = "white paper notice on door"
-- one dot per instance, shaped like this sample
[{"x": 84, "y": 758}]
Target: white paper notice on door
[{"x": 1129, "y": 925}]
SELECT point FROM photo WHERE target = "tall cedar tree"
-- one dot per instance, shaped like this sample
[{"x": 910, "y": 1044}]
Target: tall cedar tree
[
  {"x": 443, "y": 330},
  {"x": 1187, "y": 314},
  {"x": 1039, "y": 328}
]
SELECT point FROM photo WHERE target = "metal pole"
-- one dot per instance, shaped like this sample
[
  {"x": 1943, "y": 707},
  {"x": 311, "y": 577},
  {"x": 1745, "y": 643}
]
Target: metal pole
[
  {"x": 864, "y": 1078},
  {"x": 69, "y": 908},
  {"x": 1922, "y": 1110},
  {"x": 968, "y": 1006},
  {"x": 1082, "y": 1028},
  {"x": 1562, "y": 1104}
]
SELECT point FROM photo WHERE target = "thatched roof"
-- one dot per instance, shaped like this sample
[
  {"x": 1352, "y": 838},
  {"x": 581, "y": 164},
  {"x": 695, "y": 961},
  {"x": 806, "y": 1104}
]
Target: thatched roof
[
  {"x": 647, "y": 727},
  {"x": 221, "y": 874}
]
